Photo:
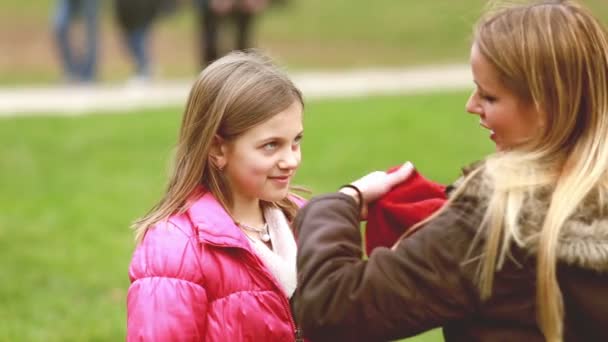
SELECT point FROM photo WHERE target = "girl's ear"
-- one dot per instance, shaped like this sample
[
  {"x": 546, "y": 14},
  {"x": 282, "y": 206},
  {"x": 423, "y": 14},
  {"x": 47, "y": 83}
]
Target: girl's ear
[{"x": 218, "y": 154}]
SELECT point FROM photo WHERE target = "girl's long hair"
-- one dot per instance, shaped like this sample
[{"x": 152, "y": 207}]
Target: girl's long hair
[{"x": 230, "y": 96}]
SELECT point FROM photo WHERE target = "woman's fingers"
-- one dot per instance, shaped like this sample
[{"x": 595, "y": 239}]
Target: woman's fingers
[
  {"x": 400, "y": 175},
  {"x": 377, "y": 183}
]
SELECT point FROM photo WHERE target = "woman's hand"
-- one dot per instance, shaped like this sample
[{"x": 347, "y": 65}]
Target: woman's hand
[{"x": 372, "y": 186}]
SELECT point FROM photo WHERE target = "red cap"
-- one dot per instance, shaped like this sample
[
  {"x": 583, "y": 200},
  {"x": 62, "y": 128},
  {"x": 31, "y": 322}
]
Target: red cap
[{"x": 401, "y": 208}]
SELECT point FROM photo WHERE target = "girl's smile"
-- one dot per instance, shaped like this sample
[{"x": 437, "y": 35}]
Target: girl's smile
[{"x": 282, "y": 180}]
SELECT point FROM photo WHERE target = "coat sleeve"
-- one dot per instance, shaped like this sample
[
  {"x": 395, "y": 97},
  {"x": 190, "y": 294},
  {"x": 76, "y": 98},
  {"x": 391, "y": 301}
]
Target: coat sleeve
[
  {"x": 420, "y": 285},
  {"x": 166, "y": 300}
]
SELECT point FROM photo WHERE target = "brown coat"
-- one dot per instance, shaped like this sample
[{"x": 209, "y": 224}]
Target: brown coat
[{"x": 427, "y": 281}]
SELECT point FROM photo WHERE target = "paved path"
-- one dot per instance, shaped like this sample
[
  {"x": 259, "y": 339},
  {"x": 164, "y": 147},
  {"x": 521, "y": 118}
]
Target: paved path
[{"x": 78, "y": 100}]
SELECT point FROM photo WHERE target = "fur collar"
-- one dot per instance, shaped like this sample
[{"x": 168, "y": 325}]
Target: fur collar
[{"x": 583, "y": 240}]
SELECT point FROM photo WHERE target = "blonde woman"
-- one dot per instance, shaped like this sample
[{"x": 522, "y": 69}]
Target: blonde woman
[
  {"x": 520, "y": 251},
  {"x": 216, "y": 255}
]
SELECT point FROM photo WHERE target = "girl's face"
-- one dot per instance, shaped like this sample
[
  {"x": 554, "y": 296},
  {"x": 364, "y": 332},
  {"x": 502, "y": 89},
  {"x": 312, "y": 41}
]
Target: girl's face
[
  {"x": 510, "y": 119},
  {"x": 260, "y": 163}
]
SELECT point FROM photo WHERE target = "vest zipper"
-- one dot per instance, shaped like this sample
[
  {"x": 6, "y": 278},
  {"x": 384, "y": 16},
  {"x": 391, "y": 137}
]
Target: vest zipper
[
  {"x": 262, "y": 268},
  {"x": 284, "y": 301}
]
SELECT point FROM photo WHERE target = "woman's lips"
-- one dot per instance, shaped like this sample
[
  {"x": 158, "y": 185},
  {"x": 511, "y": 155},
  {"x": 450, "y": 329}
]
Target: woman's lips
[{"x": 492, "y": 133}]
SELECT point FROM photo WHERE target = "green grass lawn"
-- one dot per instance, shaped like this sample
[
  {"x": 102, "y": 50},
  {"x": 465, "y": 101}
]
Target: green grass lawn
[
  {"x": 305, "y": 34},
  {"x": 70, "y": 186}
]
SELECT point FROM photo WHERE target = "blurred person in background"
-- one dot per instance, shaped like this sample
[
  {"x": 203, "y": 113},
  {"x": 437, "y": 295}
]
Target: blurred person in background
[
  {"x": 79, "y": 62},
  {"x": 213, "y": 13},
  {"x": 135, "y": 19}
]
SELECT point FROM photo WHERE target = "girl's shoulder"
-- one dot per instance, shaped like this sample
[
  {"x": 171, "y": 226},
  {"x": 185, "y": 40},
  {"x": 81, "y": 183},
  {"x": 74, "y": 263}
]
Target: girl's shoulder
[
  {"x": 173, "y": 229},
  {"x": 168, "y": 250}
]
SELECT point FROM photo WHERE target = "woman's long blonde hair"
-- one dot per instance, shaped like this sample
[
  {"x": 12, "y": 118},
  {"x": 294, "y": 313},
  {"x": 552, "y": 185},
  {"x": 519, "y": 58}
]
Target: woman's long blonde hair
[
  {"x": 230, "y": 96},
  {"x": 553, "y": 54}
]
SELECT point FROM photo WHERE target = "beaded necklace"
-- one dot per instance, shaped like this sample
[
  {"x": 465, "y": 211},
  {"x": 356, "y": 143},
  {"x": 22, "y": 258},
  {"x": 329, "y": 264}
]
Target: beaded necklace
[{"x": 262, "y": 232}]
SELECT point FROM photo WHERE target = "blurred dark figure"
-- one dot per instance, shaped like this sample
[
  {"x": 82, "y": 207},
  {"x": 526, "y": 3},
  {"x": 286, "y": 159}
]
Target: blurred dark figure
[
  {"x": 213, "y": 12},
  {"x": 79, "y": 64},
  {"x": 135, "y": 19}
]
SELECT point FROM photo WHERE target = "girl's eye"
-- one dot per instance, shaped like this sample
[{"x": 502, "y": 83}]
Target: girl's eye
[
  {"x": 270, "y": 146},
  {"x": 297, "y": 140}
]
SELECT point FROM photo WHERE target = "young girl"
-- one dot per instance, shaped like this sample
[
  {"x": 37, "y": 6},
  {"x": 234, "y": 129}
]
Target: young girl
[
  {"x": 216, "y": 255},
  {"x": 520, "y": 251}
]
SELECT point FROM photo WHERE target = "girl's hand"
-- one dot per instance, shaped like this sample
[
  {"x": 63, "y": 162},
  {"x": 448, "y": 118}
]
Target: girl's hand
[{"x": 376, "y": 184}]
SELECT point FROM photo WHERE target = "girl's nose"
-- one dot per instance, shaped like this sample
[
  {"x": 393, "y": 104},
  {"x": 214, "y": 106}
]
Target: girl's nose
[{"x": 290, "y": 160}]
